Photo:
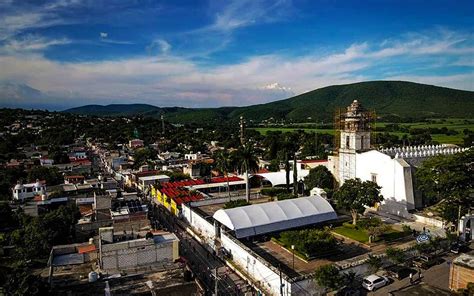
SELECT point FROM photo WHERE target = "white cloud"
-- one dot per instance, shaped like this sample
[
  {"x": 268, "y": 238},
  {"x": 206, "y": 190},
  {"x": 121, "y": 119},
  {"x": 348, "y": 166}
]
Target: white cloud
[
  {"x": 276, "y": 86},
  {"x": 160, "y": 45},
  {"x": 241, "y": 13},
  {"x": 15, "y": 19},
  {"x": 30, "y": 43},
  {"x": 166, "y": 79},
  {"x": 103, "y": 34}
]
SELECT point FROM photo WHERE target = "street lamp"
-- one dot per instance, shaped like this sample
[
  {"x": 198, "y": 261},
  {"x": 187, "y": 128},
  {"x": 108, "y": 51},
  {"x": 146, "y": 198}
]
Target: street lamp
[{"x": 293, "y": 252}]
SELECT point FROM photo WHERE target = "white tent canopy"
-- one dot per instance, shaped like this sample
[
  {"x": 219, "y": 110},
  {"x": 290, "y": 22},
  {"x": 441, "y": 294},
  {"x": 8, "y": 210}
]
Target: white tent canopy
[
  {"x": 275, "y": 216},
  {"x": 279, "y": 178}
]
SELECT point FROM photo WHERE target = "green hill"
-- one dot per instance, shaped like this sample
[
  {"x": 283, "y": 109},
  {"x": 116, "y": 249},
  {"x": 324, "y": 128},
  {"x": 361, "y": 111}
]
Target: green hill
[{"x": 387, "y": 98}]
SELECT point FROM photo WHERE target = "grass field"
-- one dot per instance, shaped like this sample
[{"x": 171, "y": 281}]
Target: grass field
[
  {"x": 457, "y": 124},
  {"x": 359, "y": 235},
  {"x": 362, "y": 236}
]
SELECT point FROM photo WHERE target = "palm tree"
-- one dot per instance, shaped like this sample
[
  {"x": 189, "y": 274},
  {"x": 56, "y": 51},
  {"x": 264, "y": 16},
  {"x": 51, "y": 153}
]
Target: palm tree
[
  {"x": 224, "y": 164},
  {"x": 288, "y": 150},
  {"x": 245, "y": 162}
]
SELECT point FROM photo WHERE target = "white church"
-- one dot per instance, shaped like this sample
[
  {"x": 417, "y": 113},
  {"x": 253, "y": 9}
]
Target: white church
[{"x": 392, "y": 169}]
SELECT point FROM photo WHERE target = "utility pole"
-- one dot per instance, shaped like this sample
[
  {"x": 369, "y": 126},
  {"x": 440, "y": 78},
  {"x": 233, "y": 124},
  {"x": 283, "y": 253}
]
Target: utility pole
[
  {"x": 281, "y": 280},
  {"x": 162, "y": 125},
  {"x": 242, "y": 130},
  {"x": 215, "y": 281}
]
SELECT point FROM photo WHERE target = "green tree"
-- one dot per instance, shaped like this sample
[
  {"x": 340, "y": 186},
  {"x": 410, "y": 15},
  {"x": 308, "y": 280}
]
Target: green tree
[
  {"x": 288, "y": 149},
  {"x": 51, "y": 175},
  {"x": 374, "y": 263},
  {"x": 224, "y": 164},
  {"x": 143, "y": 156},
  {"x": 319, "y": 177},
  {"x": 274, "y": 165},
  {"x": 354, "y": 196},
  {"x": 245, "y": 162},
  {"x": 449, "y": 178},
  {"x": 7, "y": 216},
  {"x": 328, "y": 276},
  {"x": 21, "y": 281},
  {"x": 395, "y": 255}
]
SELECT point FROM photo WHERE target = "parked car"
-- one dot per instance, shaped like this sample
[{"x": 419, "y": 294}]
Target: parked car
[
  {"x": 426, "y": 261},
  {"x": 459, "y": 247},
  {"x": 373, "y": 282},
  {"x": 399, "y": 271}
]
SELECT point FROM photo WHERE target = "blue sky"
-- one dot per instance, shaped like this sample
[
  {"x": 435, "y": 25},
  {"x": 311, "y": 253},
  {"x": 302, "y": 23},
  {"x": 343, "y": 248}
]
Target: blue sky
[{"x": 221, "y": 53}]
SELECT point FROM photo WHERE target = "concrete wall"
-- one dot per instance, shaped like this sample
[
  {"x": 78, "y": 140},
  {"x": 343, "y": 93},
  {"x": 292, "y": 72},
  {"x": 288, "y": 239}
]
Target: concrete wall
[
  {"x": 214, "y": 201},
  {"x": 262, "y": 274},
  {"x": 201, "y": 225},
  {"x": 136, "y": 253},
  {"x": 429, "y": 221},
  {"x": 255, "y": 267},
  {"x": 459, "y": 277}
]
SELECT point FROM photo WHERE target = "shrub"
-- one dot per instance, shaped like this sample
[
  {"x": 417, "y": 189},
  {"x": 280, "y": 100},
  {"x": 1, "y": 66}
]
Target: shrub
[
  {"x": 236, "y": 203},
  {"x": 272, "y": 192},
  {"x": 310, "y": 242},
  {"x": 285, "y": 195},
  {"x": 374, "y": 263},
  {"x": 406, "y": 228},
  {"x": 369, "y": 222}
]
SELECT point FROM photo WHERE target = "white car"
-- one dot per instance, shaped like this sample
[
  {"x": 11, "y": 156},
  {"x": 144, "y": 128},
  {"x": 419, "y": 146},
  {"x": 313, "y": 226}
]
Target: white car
[{"x": 373, "y": 282}]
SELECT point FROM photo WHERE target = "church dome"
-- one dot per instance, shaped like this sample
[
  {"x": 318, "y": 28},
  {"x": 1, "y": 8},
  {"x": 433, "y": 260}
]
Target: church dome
[
  {"x": 18, "y": 186},
  {"x": 37, "y": 184}
]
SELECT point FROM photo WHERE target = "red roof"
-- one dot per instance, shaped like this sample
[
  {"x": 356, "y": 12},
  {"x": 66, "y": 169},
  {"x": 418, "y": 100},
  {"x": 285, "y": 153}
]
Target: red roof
[
  {"x": 146, "y": 173},
  {"x": 74, "y": 177},
  {"x": 313, "y": 160},
  {"x": 86, "y": 249},
  {"x": 178, "y": 194},
  {"x": 82, "y": 161},
  {"x": 224, "y": 179}
]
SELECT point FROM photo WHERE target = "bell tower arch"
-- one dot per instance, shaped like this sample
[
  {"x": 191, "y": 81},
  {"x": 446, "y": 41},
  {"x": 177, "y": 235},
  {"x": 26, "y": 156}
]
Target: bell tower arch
[{"x": 354, "y": 138}]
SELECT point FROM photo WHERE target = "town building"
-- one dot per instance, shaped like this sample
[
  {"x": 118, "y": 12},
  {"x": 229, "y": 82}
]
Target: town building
[
  {"x": 393, "y": 169},
  {"x": 461, "y": 272},
  {"x": 135, "y": 144},
  {"x": 30, "y": 190},
  {"x": 74, "y": 179},
  {"x": 121, "y": 251}
]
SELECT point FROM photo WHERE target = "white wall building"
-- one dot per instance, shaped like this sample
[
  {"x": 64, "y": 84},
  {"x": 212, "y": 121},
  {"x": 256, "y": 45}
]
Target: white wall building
[
  {"x": 30, "y": 190},
  {"x": 392, "y": 168}
]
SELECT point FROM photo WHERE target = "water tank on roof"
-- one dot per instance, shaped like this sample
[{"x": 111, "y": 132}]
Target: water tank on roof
[
  {"x": 19, "y": 186},
  {"x": 93, "y": 276}
]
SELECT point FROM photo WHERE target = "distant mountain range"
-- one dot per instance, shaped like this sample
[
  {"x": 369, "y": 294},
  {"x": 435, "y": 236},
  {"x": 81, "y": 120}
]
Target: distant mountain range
[{"x": 387, "y": 98}]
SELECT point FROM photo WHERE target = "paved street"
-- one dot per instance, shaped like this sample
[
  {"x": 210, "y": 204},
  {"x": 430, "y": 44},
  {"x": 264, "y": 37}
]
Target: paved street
[
  {"x": 436, "y": 276},
  {"x": 201, "y": 261}
]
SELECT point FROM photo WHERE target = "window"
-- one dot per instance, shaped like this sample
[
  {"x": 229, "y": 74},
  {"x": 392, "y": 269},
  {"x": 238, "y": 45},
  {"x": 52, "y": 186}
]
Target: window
[
  {"x": 362, "y": 142},
  {"x": 374, "y": 178},
  {"x": 348, "y": 141}
]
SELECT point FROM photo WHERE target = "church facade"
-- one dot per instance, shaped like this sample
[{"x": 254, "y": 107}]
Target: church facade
[{"x": 393, "y": 169}]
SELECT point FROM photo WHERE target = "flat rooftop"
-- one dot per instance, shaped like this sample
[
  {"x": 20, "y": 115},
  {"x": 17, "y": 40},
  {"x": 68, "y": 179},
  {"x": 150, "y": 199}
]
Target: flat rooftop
[
  {"x": 168, "y": 281},
  {"x": 154, "y": 177}
]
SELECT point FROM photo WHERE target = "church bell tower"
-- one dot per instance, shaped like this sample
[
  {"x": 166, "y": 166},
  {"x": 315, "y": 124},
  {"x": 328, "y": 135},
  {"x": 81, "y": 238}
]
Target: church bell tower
[{"x": 354, "y": 138}]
